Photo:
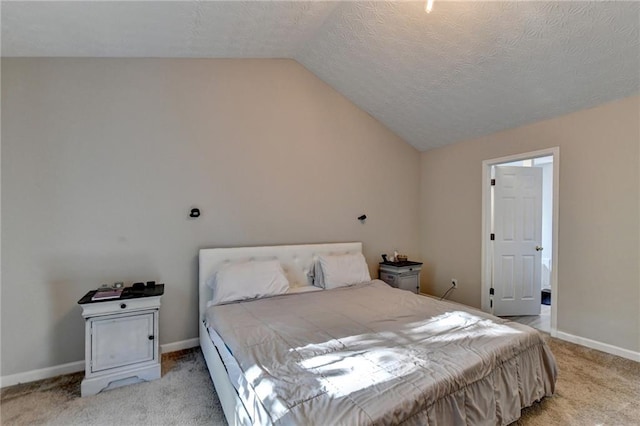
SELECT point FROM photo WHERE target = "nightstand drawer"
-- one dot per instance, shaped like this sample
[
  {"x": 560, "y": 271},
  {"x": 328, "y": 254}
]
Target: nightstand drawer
[
  {"x": 388, "y": 278},
  {"x": 118, "y": 306}
]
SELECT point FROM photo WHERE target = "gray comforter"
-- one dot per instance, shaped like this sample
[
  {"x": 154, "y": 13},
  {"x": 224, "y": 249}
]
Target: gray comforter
[{"x": 371, "y": 354}]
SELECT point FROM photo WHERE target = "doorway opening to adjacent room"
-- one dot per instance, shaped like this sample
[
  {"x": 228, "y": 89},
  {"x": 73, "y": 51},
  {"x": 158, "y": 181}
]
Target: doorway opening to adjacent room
[{"x": 520, "y": 237}]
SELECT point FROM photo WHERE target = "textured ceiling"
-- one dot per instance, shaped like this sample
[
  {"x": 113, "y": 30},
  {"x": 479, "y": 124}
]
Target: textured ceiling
[{"x": 465, "y": 70}]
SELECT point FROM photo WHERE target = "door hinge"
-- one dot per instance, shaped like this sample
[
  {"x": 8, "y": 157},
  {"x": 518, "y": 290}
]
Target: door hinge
[
  {"x": 493, "y": 237},
  {"x": 493, "y": 182},
  {"x": 491, "y": 291}
]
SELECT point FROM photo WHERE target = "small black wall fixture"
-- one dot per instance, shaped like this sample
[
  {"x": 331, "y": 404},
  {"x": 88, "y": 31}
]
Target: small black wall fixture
[
  {"x": 195, "y": 212},
  {"x": 362, "y": 218}
]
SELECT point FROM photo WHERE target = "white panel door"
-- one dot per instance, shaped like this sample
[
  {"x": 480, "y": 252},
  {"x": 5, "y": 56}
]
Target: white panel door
[
  {"x": 122, "y": 340},
  {"x": 517, "y": 254}
]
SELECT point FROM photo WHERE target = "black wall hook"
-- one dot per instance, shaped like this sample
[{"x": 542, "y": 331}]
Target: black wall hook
[
  {"x": 362, "y": 218},
  {"x": 195, "y": 212}
]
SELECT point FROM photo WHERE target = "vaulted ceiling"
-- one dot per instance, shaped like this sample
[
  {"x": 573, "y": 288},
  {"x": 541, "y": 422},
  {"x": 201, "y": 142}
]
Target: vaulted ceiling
[{"x": 465, "y": 70}]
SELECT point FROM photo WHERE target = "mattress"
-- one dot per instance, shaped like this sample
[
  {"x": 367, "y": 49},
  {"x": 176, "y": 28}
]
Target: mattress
[{"x": 371, "y": 354}]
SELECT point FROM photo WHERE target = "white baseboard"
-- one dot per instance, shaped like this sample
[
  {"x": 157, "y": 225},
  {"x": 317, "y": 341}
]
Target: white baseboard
[
  {"x": 594, "y": 344},
  {"x": 41, "y": 373},
  {"x": 74, "y": 367},
  {"x": 178, "y": 346}
]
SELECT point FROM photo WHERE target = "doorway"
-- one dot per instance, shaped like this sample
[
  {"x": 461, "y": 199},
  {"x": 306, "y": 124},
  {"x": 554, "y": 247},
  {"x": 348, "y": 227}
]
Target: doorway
[{"x": 530, "y": 289}]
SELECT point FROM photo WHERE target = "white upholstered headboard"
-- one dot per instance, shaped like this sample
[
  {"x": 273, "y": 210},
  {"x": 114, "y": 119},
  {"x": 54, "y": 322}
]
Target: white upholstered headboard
[{"x": 296, "y": 260}]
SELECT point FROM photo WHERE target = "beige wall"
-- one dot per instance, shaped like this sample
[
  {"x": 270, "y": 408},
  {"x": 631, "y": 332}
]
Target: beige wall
[
  {"x": 598, "y": 276},
  {"x": 103, "y": 158}
]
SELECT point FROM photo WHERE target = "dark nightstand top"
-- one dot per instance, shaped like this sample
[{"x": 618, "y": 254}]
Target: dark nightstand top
[
  {"x": 127, "y": 293},
  {"x": 401, "y": 264}
]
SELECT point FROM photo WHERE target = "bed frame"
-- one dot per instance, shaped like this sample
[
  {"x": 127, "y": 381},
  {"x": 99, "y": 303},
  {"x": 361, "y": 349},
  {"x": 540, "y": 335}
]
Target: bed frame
[{"x": 297, "y": 262}]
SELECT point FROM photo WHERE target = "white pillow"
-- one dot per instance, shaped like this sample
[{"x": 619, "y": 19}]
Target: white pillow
[
  {"x": 248, "y": 280},
  {"x": 343, "y": 270}
]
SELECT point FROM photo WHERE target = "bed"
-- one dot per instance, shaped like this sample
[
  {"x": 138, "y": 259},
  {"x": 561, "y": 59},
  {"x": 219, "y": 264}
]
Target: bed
[{"x": 364, "y": 353}]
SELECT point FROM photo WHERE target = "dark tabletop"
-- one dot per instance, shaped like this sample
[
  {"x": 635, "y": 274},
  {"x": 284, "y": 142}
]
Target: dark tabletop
[
  {"x": 127, "y": 293},
  {"x": 401, "y": 264}
]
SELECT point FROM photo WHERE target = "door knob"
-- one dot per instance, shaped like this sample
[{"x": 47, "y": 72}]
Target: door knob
[{"x": 538, "y": 248}]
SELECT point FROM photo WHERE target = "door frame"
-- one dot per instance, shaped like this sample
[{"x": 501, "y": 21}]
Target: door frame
[{"x": 486, "y": 257}]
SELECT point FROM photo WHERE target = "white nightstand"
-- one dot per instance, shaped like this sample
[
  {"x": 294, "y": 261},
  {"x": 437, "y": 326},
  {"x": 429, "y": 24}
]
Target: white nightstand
[
  {"x": 403, "y": 275},
  {"x": 121, "y": 339}
]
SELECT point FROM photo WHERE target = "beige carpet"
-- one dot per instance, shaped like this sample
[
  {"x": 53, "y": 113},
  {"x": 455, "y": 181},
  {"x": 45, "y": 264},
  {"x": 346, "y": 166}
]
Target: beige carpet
[
  {"x": 183, "y": 396},
  {"x": 593, "y": 389}
]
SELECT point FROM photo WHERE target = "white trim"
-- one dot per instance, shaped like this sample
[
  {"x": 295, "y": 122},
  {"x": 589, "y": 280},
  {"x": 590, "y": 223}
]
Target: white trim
[
  {"x": 604, "y": 347},
  {"x": 74, "y": 367},
  {"x": 41, "y": 373},
  {"x": 178, "y": 346},
  {"x": 486, "y": 226},
  {"x": 485, "y": 268}
]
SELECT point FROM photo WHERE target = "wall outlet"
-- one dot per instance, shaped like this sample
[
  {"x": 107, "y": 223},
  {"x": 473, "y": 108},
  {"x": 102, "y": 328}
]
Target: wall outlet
[{"x": 454, "y": 282}]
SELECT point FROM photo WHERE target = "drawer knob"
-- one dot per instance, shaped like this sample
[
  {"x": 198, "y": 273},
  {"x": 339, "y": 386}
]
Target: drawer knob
[
  {"x": 123, "y": 305},
  {"x": 151, "y": 337}
]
